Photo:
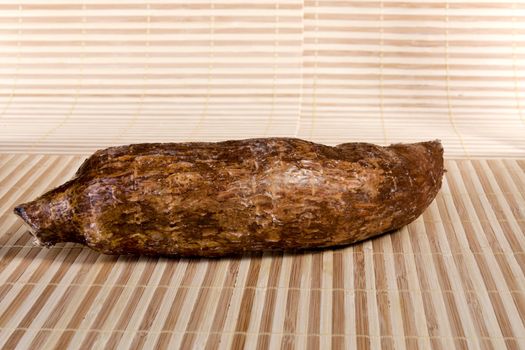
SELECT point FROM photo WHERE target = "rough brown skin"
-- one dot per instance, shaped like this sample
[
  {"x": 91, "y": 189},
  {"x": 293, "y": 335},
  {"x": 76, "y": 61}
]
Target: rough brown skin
[{"x": 216, "y": 199}]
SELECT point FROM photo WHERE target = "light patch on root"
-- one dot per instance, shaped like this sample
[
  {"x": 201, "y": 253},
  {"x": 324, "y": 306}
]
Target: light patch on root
[{"x": 37, "y": 242}]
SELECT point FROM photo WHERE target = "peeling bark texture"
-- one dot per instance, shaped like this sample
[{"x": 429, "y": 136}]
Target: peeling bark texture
[{"x": 217, "y": 199}]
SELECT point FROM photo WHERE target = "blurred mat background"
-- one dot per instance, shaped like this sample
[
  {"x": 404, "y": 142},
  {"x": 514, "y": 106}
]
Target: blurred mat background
[{"x": 77, "y": 76}]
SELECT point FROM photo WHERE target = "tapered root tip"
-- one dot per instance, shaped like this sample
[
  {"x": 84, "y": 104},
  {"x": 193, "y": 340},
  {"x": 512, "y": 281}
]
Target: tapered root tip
[{"x": 21, "y": 211}]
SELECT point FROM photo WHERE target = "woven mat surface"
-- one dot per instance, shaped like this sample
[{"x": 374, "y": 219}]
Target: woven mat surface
[
  {"x": 80, "y": 75},
  {"x": 454, "y": 278}
]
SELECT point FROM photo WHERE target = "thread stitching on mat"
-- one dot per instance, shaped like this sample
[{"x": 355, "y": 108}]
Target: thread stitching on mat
[
  {"x": 504, "y": 253},
  {"x": 151, "y": 331},
  {"x": 17, "y": 64},
  {"x": 145, "y": 81},
  {"x": 199, "y": 287},
  {"x": 211, "y": 60},
  {"x": 381, "y": 68},
  {"x": 274, "y": 69},
  {"x": 301, "y": 75},
  {"x": 314, "y": 81},
  {"x": 447, "y": 67},
  {"x": 514, "y": 65}
]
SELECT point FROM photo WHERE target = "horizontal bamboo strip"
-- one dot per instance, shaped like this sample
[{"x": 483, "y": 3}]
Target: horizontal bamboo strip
[{"x": 81, "y": 76}]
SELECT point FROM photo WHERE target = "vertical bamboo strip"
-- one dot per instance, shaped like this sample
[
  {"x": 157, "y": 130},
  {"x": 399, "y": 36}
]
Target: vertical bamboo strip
[{"x": 451, "y": 278}]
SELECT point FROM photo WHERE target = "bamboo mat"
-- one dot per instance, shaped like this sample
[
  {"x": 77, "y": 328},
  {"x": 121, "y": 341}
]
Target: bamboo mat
[
  {"x": 454, "y": 278},
  {"x": 80, "y": 75}
]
